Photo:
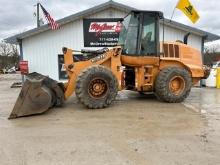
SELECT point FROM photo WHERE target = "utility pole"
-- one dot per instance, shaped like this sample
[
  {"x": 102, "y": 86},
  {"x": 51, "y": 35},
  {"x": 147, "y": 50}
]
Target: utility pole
[{"x": 38, "y": 14}]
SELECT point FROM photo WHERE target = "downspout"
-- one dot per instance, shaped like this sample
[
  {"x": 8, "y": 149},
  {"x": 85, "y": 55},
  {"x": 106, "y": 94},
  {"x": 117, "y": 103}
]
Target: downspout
[
  {"x": 203, "y": 47},
  {"x": 21, "y": 56},
  {"x": 202, "y": 53}
]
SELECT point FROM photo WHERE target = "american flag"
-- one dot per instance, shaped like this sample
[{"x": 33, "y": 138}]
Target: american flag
[{"x": 53, "y": 24}]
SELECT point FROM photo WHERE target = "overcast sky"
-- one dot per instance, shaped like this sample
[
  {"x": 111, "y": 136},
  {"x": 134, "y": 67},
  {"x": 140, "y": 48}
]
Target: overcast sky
[{"x": 17, "y": 15}]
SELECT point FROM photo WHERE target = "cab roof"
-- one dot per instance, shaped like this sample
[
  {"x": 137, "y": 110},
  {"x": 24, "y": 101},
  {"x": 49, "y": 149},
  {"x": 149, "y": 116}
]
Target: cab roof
[{"x": 158, "y": 13}]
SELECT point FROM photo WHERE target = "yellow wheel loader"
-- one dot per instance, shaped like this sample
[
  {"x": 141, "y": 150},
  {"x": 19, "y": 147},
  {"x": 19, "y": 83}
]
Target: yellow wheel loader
[{"x": 139, "y": 63}]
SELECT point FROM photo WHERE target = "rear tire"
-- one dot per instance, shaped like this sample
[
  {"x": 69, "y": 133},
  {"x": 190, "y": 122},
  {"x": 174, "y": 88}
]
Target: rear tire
[
  {"x": 173, "y": 85},
  {"x": 96, "y": 87}
]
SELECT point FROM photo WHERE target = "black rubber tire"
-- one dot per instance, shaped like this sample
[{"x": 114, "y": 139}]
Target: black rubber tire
[
  {"x": 83, "y": 82},
  {"x": 162, "y": 89}
]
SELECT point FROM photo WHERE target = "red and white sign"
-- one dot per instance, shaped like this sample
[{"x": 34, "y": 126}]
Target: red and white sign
[
  {"x": 100, "y": 27},
  {"x": 101, "y": 32},
  {"x": 24, "y": 67}
]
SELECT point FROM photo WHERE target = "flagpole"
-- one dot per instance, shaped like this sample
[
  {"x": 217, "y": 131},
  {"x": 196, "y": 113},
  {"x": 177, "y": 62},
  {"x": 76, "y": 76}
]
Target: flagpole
[
  {"x": 173, "y": 11},
  {"x": 172, "y": 14},
  {"x": 38, "y": 14}
]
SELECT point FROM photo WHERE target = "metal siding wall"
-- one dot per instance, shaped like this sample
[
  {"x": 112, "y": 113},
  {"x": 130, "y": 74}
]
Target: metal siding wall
[
  {"x": 42, "y": 50},
  {"x": 172, "y": 34},
  {"x": 109, "y": 13}
]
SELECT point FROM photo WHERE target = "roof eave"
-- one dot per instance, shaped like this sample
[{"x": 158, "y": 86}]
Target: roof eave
[{"x": 101, "y": 7}]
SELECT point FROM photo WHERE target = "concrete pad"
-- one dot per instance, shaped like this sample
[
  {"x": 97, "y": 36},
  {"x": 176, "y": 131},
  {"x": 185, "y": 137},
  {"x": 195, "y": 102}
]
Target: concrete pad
[{"x": 134, "y": 130}]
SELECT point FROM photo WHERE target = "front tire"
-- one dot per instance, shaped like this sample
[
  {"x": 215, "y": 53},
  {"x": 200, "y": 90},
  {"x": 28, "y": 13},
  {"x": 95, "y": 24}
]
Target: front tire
[
  {"x": 96, "y": 87},
  {"x": 173, "y": 85}
]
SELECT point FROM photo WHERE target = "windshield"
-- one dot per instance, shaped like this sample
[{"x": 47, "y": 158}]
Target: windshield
[
  {"x": 124, "y": 30},
  {"x": 129, "y": 34}
]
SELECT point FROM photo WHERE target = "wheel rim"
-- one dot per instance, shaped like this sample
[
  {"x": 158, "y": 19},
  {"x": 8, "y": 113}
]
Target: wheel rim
[
  {"x": 177, "y": 85},
  {"x": 98, "y": 88}
]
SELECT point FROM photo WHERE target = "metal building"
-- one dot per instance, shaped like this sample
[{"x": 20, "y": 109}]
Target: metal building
[{"x": 41, "y": 47}]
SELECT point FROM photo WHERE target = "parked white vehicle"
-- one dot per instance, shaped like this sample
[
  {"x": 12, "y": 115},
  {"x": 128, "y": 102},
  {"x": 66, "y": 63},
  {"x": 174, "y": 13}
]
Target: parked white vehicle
[
  {"x": 211, "y": 80},
  {"x": 216, "y": 65}
]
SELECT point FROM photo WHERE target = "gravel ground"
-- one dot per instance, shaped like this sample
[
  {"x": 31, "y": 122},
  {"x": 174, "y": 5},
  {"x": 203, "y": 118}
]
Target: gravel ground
[{"x": 134, "y": 130}]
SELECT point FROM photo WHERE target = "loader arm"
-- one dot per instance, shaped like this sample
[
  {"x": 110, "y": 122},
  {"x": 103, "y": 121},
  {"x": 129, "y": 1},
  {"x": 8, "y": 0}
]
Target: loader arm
[{"x": 110, "y": 59}]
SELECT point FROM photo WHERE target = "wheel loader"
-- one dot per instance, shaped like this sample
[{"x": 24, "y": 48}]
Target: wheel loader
[{"x": 140, "y": 62}]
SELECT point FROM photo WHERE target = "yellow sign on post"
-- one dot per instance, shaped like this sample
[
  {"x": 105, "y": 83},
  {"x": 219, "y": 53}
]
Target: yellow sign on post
[
  {"x": 187, "y": 8},
  {"x": 218, "y": 78}
]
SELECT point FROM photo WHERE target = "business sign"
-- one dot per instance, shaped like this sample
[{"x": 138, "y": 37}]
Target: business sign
[
  {"x": 24, "y": 67},
  {"x": 101, "y": 32}
]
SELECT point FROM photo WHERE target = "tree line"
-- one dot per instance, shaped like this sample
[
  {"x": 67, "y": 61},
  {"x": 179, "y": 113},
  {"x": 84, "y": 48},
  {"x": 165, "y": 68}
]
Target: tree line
[{"x": 211, "y": 54}]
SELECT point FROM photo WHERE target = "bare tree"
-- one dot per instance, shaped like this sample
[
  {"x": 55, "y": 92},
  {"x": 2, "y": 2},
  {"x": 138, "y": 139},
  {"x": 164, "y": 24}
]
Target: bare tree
[
  {"x": 14, "y": 55},
  {"x": 9, "y": 56},
  {"x": 212, "y": 48},
  {"x": 211, "y": 54},
  {"x": 5, "y": 49}
]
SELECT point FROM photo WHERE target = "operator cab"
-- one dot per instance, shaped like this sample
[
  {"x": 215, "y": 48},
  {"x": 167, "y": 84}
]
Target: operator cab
[
  {"x": 140, "y": 33},
  {"x": 139, "y": 39}
]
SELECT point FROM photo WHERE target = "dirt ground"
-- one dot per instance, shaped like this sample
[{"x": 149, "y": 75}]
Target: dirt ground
[{"x": 134, "y": 130}]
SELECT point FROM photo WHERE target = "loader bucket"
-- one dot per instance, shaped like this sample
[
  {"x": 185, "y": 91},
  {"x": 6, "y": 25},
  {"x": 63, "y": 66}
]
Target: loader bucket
[{"x": 38, "y": 94}]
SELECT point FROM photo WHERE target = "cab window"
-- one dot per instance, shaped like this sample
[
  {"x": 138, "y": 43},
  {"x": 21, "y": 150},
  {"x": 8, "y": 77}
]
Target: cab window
[{"x": 148, "y": 38}]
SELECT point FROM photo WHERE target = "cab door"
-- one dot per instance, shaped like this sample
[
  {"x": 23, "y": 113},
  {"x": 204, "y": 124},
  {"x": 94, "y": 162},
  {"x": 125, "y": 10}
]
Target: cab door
[
  {"x": 140, "y": 39},
  {"x": 141, "y": 50}
]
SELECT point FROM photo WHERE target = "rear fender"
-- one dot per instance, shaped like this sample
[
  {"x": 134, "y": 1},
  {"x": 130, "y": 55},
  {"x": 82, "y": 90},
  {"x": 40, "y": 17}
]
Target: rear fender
[
  {"x": 196, "y": 72},
  {"x": 164, "y": 63}
]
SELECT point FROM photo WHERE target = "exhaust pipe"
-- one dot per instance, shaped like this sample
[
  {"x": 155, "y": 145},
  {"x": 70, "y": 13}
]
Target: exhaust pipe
[{"x": 185, "y": 40}]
